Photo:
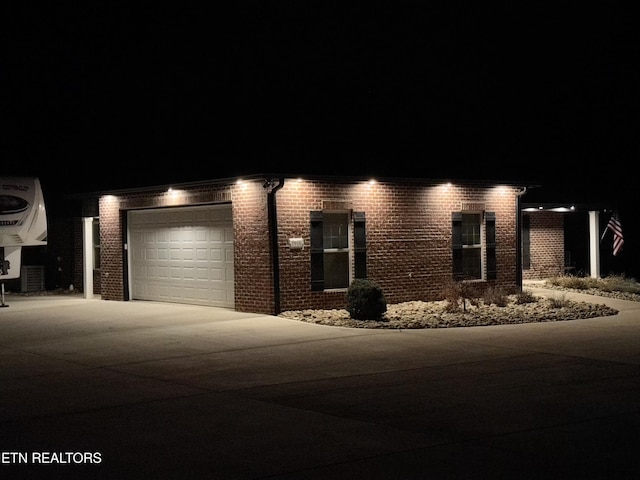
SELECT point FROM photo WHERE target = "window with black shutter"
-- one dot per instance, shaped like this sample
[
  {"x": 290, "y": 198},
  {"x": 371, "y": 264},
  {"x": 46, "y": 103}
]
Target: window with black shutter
[
  {"x": 490, "y": 226},
  {"x": 456, "y": 240},
  {"x": 332, "y": 249},
  {"x": 526, "y": 242},
  {"x": 468, "y": 247},
  {"x": 317, "y": 252},
  {"x": 359, "y": 245}
]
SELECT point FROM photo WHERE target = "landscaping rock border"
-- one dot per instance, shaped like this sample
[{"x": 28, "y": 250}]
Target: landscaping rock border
[{"x": 419, "y": 314}]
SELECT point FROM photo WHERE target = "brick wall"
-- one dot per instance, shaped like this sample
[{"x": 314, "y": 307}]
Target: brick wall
[
  {"x": 546, "y": 245},
  {"x": 252, "y": 258},
  {"x": 408, "y": 228},
  {"x": 111, "y": 249}
]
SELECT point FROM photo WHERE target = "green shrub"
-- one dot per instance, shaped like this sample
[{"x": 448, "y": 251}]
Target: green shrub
[{"x": 365, "y": 300}]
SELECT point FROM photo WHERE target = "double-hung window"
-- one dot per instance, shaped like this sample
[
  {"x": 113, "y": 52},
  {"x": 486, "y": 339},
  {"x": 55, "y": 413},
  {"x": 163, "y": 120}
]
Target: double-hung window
[
  {"x": 474, "y": 249},
  {"x": 337, "y": 242},
  {"x": 472, "y": 245},
  {"x": 335, "y": 236}
]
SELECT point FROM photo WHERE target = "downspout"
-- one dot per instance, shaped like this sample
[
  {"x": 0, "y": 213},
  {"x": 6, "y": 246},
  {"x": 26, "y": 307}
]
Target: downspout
[
  {"x": 519, "y": 239},
  {"x": 272, "y": 186}
]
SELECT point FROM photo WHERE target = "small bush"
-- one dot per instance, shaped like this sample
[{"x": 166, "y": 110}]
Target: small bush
[
  {"x": 619, "y": 283},
  {"x": 571, "y": 281},
  {"x": 495, "y": 296},
  {"x": 365, "y": 300},
  {"x": 525, "y": 297},
  {"x": 458, "y": 294},
  {"x": 453, "y": 297},
  {"x": 558, "y": 302},
  {"x": 614, "y": 283}
]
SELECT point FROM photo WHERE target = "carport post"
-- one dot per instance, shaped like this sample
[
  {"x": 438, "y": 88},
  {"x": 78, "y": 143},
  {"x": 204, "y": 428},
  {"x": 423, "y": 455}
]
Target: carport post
[
  {"x": 87, "y": 256},
  {"x": 594, "y": 243}
]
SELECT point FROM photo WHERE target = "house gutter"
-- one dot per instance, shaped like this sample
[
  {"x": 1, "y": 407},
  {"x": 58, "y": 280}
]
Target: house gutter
[{"x": 272, "y": 186}]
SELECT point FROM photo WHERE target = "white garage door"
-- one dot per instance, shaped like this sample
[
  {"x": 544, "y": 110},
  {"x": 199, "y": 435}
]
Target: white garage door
[{"x": 182, "y": 255}]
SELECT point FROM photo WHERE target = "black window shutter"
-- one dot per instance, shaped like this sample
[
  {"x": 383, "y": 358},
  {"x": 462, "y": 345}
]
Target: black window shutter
[
  {"x": 317, "y": 251},
  {"x": 360, "y": 245},
  {"x": 456, "y": 241},
  {"x": 490, "y": 226},
  {"x": 526, "y": 242}
]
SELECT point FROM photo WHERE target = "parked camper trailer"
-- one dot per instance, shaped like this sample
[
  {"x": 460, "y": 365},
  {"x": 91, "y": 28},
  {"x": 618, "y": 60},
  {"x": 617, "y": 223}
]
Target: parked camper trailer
[{"x": 23, "y": 221}]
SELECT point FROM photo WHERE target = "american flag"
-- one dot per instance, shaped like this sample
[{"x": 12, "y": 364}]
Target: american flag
[{"x": 616, "y": 227}]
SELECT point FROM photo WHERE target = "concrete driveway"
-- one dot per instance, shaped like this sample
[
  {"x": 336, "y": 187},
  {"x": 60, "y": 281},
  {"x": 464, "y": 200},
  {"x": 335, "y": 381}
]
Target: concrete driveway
[{"x": 131, "y": 390}]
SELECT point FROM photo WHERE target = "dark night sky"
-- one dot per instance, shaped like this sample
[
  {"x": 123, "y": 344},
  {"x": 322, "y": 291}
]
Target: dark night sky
[{"x": 122, "y": 95}]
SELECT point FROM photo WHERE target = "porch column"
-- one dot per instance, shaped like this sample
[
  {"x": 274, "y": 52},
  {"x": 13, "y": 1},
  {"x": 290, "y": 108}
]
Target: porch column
[
  {"x": 87, "y": 256},
  {"x": 594, "y": 243}
]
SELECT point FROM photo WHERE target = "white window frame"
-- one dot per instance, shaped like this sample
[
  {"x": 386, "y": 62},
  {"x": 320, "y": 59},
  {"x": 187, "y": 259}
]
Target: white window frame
[
  {"x": 349, "y": 249},
  {"x": 476, "y": 246}
]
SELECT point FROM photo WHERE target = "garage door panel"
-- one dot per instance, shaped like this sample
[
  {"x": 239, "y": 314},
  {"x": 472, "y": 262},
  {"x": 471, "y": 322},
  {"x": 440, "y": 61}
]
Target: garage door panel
[
  {"x": 186, "y": 273},
  {"x": 216, "y": 235},
  {"x": 202, "y": 274},
  {"x": 216, "y": 254},
  {"x": 216, "y": 274},
  {"x": 176, "y": 273},
  {"x": 182, "y": 255}
]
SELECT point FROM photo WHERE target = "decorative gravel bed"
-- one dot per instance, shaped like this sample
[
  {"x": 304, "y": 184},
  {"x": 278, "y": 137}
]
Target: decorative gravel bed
[
  {"x": 633, "y": 297},
  {"x": 418, "y": 314}
]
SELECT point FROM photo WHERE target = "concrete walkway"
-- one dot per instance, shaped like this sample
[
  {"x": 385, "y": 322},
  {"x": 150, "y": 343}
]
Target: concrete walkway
[{"x": 164, "y": 391}]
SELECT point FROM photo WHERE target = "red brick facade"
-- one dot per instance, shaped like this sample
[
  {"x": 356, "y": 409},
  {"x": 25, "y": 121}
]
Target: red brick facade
[
  {"x": 408, "y": 230},
  {"x": 546, "y": 245},
  {"x": 408, "y": 236}
]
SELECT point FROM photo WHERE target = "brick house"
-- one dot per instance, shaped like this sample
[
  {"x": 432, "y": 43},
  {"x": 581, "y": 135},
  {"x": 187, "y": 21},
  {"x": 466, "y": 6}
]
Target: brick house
[
  {"x": 543, "y": 250},
  {"x": 270, "y": 243},
  {"x": 562, "y": 238}
]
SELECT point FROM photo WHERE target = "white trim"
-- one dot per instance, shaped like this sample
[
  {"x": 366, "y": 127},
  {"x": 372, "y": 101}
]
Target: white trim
[
  {"x": 594, "y": 243},
  {"x": 87, "y": 256}
]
